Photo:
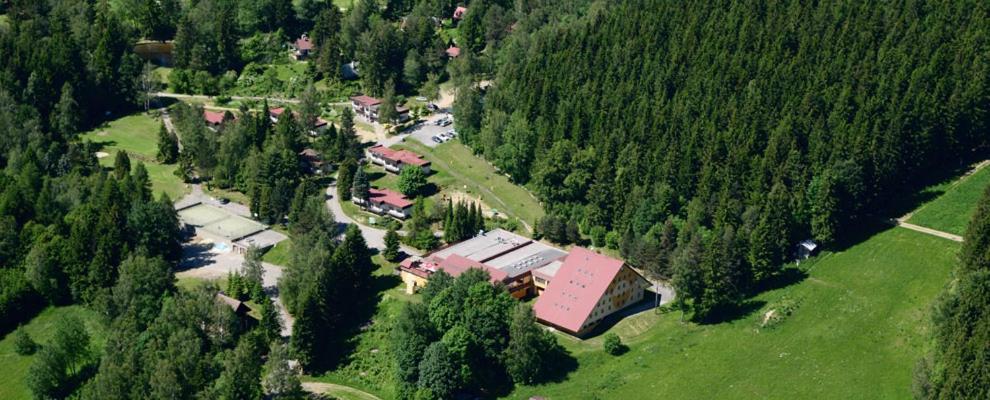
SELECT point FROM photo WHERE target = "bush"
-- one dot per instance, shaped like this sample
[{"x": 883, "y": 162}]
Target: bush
[
  {"x": 598, "y": 234},
  {"x": 612, "y": 240},
  {"x": 613, "y": 345},
  {"x": 23, "y": 344}
]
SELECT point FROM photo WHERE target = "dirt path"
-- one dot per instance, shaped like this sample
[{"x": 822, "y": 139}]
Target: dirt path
[
  {"x": 902, "y": 221},
  {"x": 338, "y": 391},
  {"x": 929, "y": 231}
]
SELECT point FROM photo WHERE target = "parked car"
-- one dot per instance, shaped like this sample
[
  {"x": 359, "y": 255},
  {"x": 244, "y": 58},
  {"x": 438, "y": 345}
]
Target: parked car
[
  {"x": 432, "y": 107},
  {"x": 446, "y": 122},
  {"x": 224, "y": 200},
  {"x": 452, "y": 133},
  {"x": 437, "y": 139}
]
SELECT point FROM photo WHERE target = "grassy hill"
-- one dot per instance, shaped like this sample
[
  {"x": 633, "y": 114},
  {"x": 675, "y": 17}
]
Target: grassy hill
[
  {"x": 951, "y": 211},
  {"x": 856, "y": 331},
  {"x": 137, "y": 134},
  {"x": 14, "y": 368}
]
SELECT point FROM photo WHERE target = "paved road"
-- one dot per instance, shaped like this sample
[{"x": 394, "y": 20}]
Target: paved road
[
  {"x": 373, "y": 236},
  {"x": 252, "y": 98}
]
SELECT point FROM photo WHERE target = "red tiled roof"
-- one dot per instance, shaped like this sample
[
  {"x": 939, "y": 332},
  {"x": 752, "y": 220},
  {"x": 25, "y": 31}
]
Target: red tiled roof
[
  {"x": 453, "y": 51},
  {"x": 366, "y": 101},
  {"x": 579, "y": 284},
  {"x": 388, "y": 197},
  {"x": 213, "y": 117},
  {"x": 277, "y": 112},
  {"x": 304, "y": 43},
  {"x": 319, "y": 122},
  {"x": 459, "y": 12},
  {"x": 404, "y": 156},
  {"x": 456, "y": 265}
]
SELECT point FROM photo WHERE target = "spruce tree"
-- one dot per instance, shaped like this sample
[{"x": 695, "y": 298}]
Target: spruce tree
[
  {"x": 391, "y": 252},
  {"x": 360, "y": 189},
  {"x": 121, "y": 165},
  {"x": 345, "y": 178}
]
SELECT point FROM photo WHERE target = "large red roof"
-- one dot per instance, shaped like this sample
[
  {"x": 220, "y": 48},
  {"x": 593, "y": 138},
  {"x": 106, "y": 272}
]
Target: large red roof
[
  {"x": 388, "y": 197},
  {"x": 366, "y": 101},
  {"x": 404, "y": 156},
  {"x": 213, "y": 117},
  {"x": 579, "y": 284}
]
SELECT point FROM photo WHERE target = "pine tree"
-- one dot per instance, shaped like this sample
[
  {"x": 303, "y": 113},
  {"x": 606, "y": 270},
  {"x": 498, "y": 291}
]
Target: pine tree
[
  {"x": 975, "y": 253},
  {"x": 168, "y": 146},
  {"x": 526, "y": 356},
  {"x": 360, "y": 188},
  {"x": 281, "y": 380},
  {"x": 121, "y": 165},
  {"x": 307, "y": 331},
  {"x": 345, "y": 178},
  {"x": 391, "y": 252}
]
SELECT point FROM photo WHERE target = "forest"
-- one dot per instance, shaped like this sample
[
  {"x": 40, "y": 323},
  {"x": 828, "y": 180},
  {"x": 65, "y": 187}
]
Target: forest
[{"x": 705, "y": 139}]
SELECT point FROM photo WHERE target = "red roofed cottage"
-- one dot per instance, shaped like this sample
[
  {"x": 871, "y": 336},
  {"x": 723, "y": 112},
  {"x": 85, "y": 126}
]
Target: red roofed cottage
[
  {"x": 384, "y": 201},
  {"x": 395, "y": 160},
  {"x": 587, "y": 288}
]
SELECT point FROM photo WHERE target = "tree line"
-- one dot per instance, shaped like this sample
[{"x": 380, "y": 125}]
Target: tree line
[
  {"x": 705, "y": 139},
  {"x": 955, "y": 368}
]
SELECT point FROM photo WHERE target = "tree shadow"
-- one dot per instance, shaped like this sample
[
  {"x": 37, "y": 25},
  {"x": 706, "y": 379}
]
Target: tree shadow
[
  {"x": 374, "y": 175},
  {"x": 429, "y": 190},
  {"x": 860, "y": 232},
  {"x": 195, "y": 255},
  {"x": 729, "y": 314},
  {"x": 559, "y": 366},
  {"x": 789, "y": 276}
]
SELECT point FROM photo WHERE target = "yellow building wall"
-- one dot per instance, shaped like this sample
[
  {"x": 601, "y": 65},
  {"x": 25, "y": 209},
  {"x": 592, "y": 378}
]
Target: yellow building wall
[
  {"x": 625, "y": 289},
  {"x": 412, "y": 282}
]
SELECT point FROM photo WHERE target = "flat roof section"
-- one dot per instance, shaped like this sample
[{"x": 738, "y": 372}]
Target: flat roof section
[
  {"x": 262, "y": 240},
  {"x": 220, "y": 222},
  {"x": 486, "y": 246},
  {"x": 526, "y": 258}
]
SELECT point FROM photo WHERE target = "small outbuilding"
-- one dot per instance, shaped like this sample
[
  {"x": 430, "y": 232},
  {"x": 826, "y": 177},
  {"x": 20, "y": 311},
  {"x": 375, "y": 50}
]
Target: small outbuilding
[{"x": 806, "y": 248}]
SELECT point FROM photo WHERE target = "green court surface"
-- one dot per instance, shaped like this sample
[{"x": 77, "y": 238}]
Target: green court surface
[{"x": 220, "y": 222}]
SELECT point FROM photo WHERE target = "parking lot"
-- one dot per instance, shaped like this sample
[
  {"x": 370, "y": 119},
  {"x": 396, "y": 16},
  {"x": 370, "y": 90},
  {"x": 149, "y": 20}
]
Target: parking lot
[{"x": 425, "y": 131}]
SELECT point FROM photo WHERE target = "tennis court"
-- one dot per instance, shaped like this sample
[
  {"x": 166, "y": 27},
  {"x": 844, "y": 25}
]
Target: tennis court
[{"x": 219, "y": 222}]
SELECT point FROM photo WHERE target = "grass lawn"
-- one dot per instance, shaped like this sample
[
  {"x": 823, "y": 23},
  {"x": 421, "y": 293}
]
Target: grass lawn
[
  {"x": 14, "y": 368},
  {"x": 458, "y": 169},
  {"x": 951, "y": 211},
  {"x": 280, "y": 254},
  {"x": 858, "y": 330},
  {"x": 164, "y": 74},
  {"x": 137, "y": 134}
]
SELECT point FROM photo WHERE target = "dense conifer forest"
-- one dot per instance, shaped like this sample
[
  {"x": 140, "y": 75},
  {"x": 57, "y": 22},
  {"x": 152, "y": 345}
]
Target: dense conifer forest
[{"x": 713, "y": 136}]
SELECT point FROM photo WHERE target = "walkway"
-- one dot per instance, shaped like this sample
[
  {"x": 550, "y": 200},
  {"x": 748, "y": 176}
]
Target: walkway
[{"x": 901, "y": 222}]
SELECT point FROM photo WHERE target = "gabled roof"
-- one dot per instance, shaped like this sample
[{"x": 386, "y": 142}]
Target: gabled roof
[
  {"x": 459, "y": 12},
  {"x": 453, "y": 51},
  {"x": 277, "y": 112},
  {"x": 238, "y": 306},
  {"x": 404, "y": 156},
  {"x": 388, "y": 197},
  {"x": 366, "y": 101},
  {"x": 576, "y": 288},
  {"x": 303, "y": 43},
  {"x": 456, "y": 265},
  {"x": 213, "y": 117}
]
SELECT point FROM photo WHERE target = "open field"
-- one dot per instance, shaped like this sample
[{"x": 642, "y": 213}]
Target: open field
[
  {"x": 460, "y": 170},
  {"x": 280, "y": 254},
  {"x": 14, "y": 368},
  {"x": 951, "y": 211},
  {"x": 857, "y": 332},
  {"x": 137, "y": 134}
]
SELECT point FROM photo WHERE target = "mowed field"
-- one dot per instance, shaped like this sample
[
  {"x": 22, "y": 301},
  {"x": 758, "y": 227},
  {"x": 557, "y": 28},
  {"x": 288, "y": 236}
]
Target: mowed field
[
  {"x": 459, "y": 170},
  {"x": 14, "y": 367},
  {"x": 951, "y": 211},
  {"x": 859, "y": 327},
  {"x": 137, "y": 134}
]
